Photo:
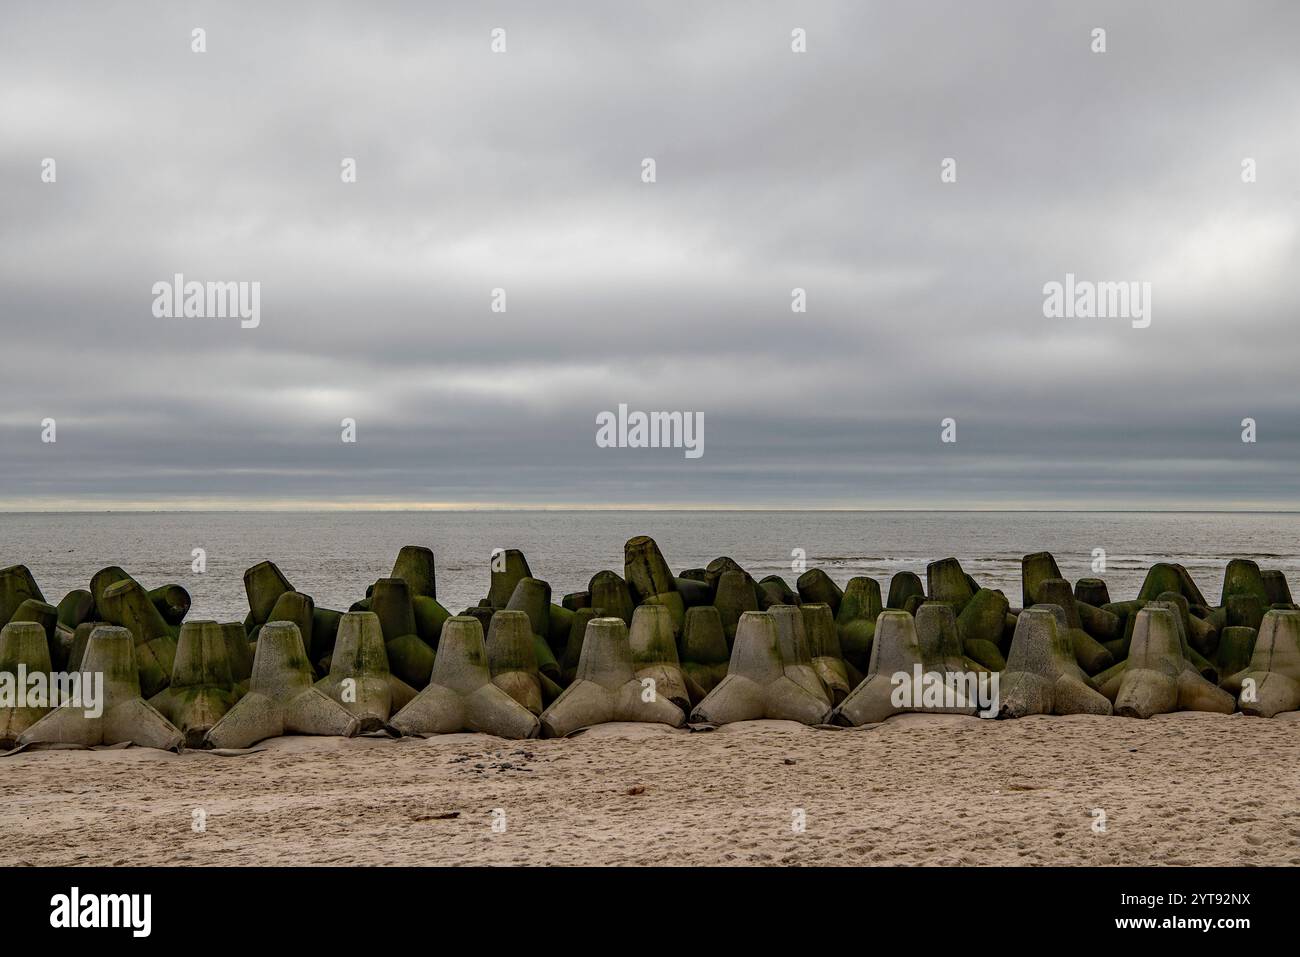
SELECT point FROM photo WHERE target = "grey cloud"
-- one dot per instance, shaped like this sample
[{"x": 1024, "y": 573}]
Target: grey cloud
[{"x": 775, "y": 171}]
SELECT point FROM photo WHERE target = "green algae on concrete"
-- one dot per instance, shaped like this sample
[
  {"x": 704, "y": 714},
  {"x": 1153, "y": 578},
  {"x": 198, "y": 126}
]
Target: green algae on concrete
[
  {"x": 610, "y": 592},
  {"x": 75, "y": 607},
  {"x": 512, "y": 658},
  {"x": 22, "y": 645},
  {"x": 126, "y": 603},
  {"x": 646, "y": 570},
  {"x": 605, "y": 687},
  {"x": 947, "y": 582},
  {"x": 1243, "y": 577},
  {"x": 824, "y": 651},
  {"x": 281, "y": 698},
  {"x": 1158, "y": 678},
  {"x": 1277, "y": 587},
  {"x": 816, "y": 586},
  {"x": 1092, "y": 591},
  {"x": 1236, "y": 646},
  {"x": 704, "y": 652},
  {"x": 359, "y": 678},
  {"x": 126, "y": 718},
  {"x": 573, "y": 647},
  {"x": 735, "y": 597},
  {"x": 1042, "y": 675},
  {"x": 508, "y": 567},
  {"x": 757, "y": 685},
  {"x": 264, "y": 583},
  {"x": 16, "y": 586},
  {"x": 1035, "y": 569},
  {"x": 654, "y": 654},
  {"x": 1270, "y": 684},
  {"x": 460, "y": 695},
  {"x": 202, "y": 687},
  {"x": 1092, "y": 656},
  {"x": 415, "y": 566},
  {"x": 902, "y": 586}
]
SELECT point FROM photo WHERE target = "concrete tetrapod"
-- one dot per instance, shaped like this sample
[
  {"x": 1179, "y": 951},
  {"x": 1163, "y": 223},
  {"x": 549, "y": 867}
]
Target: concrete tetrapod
[
  {"x": 1034, "y": 570},
  {"x": 300, "y": 610},
  {"x": 125, "y": 717},
  {"x": 281, "y": 698},
  {"x": 1274, "y": 668},
  {"x": 610, "y": 592},
  {"x": 1236, "y": 648},
  {"x": 508, "y": 567},
  {"x": 1158, "y": 678},
  {"x": 202, "y": 687},
  {"x": 940, "y": 640},
  {"x": 512, "y": 658},
  {"x": 896, "y": 658},
  {"x": 816, "y": 586},
  {"x": 757, "y": 685},
  {"x": 409, "y": 657},
  {"x": 1275, "y": 583},
  {"x": 415, "y": 566},
  {"x": 654, "y": 654},
  {"x": 1243, "y": 577},
  {"x": 22, "y": 645},
  {"x": 40, "y": 613},
  {"x": 460, "y": 695},
  {"x": 794, "y": 649},
  {"x": 1042, "y": 676},
  {"x": 775, "y": 590},
  {"x": 947, "y": 582},
  {"x": 735, "y": 597},
  {"x": 16, "y": 586},
  {"x": 855, "y": 622},
  {"x": 650, "y": 578},
  {"x": 172, "y": 602},
  {"x": 239, "y": 653},
  {"x": 100, "y": 581},
  {"x": 902, "y": 586},
  {"x": 981, "y": 624},
  {"x": 1092, "y": 656},
  {"x": 824, "y": 649},
  {"x": 75, "y": 607},
  {"x": 1092, "y": 591},
  {"x": 704, "y": 654},
  {"x": 127, "y": 604},
  {"x": 605, "y": 687},
  {"x": 532, "y": 596},
  {"x": 359, "y": 678},
  {"x": 264, "y": 583},
  {"x": 573, "y": 647}
]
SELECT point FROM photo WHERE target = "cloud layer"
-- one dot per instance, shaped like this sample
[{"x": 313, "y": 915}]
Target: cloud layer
[{"x": 775, "y": 170}]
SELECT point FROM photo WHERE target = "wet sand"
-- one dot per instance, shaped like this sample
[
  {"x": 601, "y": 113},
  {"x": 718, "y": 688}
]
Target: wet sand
[{"x": 1181, "y": 789}]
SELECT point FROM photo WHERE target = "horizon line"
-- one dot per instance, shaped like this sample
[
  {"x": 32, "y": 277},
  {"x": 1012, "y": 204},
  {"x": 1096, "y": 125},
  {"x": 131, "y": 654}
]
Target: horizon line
[{"x": 282, "y": 506}]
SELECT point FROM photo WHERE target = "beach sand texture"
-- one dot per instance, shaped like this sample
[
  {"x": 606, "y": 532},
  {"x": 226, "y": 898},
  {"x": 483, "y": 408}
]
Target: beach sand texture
[{"x": 1178, "y": 789}]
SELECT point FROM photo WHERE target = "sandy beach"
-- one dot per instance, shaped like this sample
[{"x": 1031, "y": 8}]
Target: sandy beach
[{"x": 1179, "y": 789}]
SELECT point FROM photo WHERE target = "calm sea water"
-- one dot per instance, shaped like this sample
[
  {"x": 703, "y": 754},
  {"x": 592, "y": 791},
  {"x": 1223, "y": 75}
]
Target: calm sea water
[{"x": 333, "y": 556}]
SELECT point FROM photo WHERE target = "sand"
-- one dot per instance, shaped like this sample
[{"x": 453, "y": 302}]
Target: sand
[{"x": 918, "y": 789}]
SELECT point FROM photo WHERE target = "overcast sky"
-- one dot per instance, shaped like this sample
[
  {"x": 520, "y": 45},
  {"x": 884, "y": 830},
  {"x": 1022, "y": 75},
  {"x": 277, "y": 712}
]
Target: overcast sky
[{"x": 478, "y": 170}]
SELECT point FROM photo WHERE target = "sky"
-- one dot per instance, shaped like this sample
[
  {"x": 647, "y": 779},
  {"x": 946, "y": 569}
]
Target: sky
[{"x": 774, "y": 170}]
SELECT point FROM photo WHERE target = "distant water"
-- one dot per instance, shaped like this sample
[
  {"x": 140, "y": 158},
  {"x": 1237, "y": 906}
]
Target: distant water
[{"x": 333, "y": 556}]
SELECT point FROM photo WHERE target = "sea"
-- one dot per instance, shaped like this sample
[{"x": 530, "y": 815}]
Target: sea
[{"x": 334, "y": 555}]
